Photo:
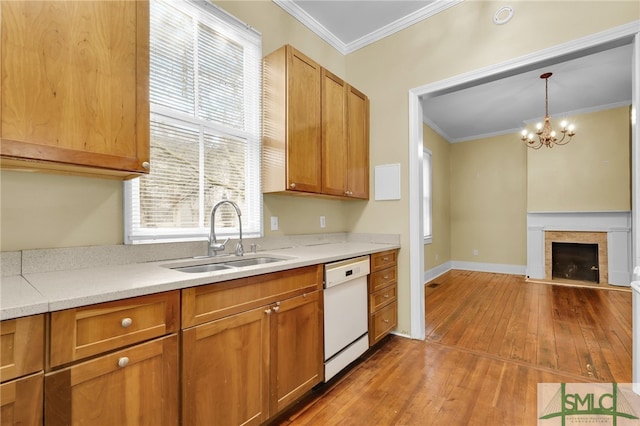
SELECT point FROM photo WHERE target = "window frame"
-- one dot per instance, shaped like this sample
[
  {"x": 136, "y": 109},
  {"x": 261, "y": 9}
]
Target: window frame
[
  {"x": 427, "y": 196},
  {"x": 230, "y": 27}
]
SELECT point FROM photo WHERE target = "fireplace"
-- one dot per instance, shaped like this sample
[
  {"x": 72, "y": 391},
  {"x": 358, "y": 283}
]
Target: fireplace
[
  {"x": 610, "y": 231},
  {"x": 576, "y": 255},
  {"x": 575, "y": 261}
]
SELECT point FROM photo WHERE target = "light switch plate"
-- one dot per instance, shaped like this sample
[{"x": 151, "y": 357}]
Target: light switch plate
[{"x": 274, "y": 223}]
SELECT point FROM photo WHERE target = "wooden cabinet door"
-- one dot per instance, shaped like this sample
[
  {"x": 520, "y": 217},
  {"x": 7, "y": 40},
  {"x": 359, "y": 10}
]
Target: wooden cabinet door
[
  {"x": 304, "y": 149},
  {"x": 21, "y": 401},
  {"x": 21, "y": 346},
  {"x": 75, "y": 85},
  {"x": 225, "y": 378},
  {"x": 358, "y": 144},
  {"x": 334, "y": 135},
  {"x": 296, "y": 350},
  {"x": 134, "y": 386}
]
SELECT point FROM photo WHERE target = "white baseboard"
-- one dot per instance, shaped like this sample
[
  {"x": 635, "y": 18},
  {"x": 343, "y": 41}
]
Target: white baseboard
[
  {"x": 496, "y": 268},
  {"x": 434, "y": 273}
]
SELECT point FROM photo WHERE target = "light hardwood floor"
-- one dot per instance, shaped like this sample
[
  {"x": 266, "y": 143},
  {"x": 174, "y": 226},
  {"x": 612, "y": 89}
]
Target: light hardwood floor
[{"x": 491, "y": 338}]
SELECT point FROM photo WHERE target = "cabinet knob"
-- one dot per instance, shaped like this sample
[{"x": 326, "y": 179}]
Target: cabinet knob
[
  {"x": 123, "y": 361},
  {"x": 126, "y": 322},
  {"x": 292, "y": 185},
  {"x": 276, "y": 309},
  {"x": 146, "y": 165},
  {"x": 267, "y": 311}
]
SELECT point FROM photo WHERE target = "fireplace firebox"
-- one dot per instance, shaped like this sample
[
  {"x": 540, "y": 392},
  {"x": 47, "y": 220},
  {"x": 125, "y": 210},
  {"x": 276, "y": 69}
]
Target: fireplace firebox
[{"x": 575, "y": 261}]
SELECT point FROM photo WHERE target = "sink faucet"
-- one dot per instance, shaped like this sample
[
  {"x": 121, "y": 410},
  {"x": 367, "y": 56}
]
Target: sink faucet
[{"x": 214, "y": 245}]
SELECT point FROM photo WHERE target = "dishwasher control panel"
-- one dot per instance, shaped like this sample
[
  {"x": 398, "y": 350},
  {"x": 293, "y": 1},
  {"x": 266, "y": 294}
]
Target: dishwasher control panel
[{"x": 345, "y": 270}]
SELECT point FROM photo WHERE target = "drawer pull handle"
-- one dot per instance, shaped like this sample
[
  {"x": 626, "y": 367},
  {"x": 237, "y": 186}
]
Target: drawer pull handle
[
  {"x": 385, "y": 258},
  {"x": 126, "y": 322},
  {"x": 386, "y": 277},
  {"x": 386, "y": 321},
  {"x": 386, "y": 295},
  {"x": 123, "y": 361}
]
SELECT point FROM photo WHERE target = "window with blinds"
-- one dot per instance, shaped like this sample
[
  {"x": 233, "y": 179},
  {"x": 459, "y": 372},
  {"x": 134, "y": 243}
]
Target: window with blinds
[{"x": 204, "y": 93}]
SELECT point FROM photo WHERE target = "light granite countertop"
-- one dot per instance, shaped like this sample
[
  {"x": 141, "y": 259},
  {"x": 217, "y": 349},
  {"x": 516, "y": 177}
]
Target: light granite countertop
[{"x": 35, "y": 292}]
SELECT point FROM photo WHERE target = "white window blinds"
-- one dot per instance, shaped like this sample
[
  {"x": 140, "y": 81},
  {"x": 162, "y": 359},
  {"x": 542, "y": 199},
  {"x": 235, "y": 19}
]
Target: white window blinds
[{"x": 204, "y": 94}]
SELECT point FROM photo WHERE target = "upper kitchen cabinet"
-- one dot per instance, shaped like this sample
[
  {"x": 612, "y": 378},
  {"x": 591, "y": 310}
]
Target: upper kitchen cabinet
[
  {"x": 315, "y": 130},
  {"x": 291, "y": 145},
  {"x": 345, "y": 139},
  {"x": 75, "y": 86}
]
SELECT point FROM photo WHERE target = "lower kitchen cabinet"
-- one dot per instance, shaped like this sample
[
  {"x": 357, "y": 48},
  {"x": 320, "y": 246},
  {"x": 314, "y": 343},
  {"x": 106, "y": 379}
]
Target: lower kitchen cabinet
[
  {"x": 225, "y": 376},
  {"x": 296, "y": 351},
  {"x": 21, "y": 401},
  {"x": 246, "y": 367},
  {"x": 134, "y": 386},
  {"x": 21, "y": 370},
  {"x": 383, "y": 295}
]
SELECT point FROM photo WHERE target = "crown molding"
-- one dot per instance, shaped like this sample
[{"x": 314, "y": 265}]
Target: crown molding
[
  {"x": 308, "y": 21},
  {"x": 431, "y": 9}
]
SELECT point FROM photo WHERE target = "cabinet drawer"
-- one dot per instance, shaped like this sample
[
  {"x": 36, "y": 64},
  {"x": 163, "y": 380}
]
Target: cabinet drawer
[
  {"x": 384, "y": 278},
  {"x": 209, "y": 302},
  {"x": 21, "y": 401},
  {"x": 136, "y": 385},
  {"x": 90, "y": 330},
  {"x": 382, "y": 297},
  {"x": 21, "y": 346},
  {"x": 382, "y": 322},
  {"x": 384, "y": 260}
]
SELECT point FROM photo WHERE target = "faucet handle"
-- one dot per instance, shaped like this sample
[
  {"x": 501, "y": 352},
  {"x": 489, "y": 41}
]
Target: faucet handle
[
  {"x": 239, "y": 249},
  {"x": 214, "y": 248}
]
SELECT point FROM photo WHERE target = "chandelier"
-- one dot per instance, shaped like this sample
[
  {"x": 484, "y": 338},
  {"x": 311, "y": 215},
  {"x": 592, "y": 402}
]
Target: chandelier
[{"x": 546, "y": 135}]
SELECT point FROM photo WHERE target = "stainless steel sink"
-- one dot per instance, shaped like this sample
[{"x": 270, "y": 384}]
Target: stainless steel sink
[
  {"x": 227, "y": 264},
  {"x": 252, "y": 261},
  {"x": 202, "y": 268}
]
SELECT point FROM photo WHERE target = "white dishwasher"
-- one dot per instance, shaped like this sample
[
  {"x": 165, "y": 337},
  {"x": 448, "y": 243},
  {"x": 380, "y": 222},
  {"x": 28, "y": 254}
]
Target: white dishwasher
[{"x": 345, "y": 313}]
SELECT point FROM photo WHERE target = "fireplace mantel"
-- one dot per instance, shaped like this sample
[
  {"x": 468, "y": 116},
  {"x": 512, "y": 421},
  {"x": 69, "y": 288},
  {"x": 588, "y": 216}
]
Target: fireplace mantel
[{"x": 617, "y": 225}]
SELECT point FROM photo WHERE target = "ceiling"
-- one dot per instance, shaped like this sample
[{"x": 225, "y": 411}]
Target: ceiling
[{"x": 597, "y": 79}]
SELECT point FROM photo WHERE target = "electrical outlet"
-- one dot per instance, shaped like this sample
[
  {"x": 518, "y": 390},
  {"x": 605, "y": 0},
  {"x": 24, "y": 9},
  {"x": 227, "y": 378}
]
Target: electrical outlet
[
  {"x": 274, "y": 223},
  {"x": 475, "y": 252},
  {"x": 323, "y": 222}
]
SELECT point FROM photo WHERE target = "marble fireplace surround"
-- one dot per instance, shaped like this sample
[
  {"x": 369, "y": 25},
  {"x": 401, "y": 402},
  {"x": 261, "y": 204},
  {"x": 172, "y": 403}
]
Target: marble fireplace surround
[{"x": 574, "y": 226}]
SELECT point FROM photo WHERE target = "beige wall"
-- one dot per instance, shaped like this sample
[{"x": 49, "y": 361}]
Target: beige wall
[
  {"x": 43, "y": 211},
  {"x": 460, "y": 39},
  {"x": 439, "y": 250},
  {"x": 591, "y": 173},
  {"x": 488, "y": 201}
]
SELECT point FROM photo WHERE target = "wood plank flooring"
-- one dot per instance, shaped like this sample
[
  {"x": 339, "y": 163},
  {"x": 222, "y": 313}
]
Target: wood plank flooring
[{"x": 491, "y": 338}]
